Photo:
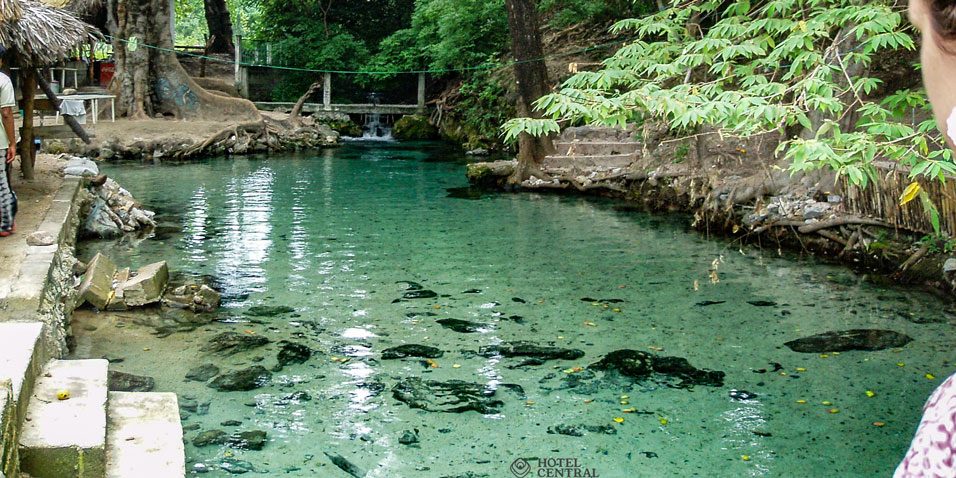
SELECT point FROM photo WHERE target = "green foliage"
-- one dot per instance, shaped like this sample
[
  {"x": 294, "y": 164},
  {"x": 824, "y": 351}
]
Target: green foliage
[
  {"x": 485, "y": 104},
  {"x": 571, "y": 12},
  {"x": 748, "y": 68},
  {"x": 191, "y": 26}
]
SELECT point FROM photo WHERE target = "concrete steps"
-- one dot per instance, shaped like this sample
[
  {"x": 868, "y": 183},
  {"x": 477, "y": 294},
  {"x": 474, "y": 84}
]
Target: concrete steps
[
  {"x": 144, "y": 436},
  {"x": 66, "y": 437},
  {"x": 595, "y": 148},
  {"x": 596, "y": 162},
  {"x": 21, "y": 360},
  {"x": 598, "y": 134}
]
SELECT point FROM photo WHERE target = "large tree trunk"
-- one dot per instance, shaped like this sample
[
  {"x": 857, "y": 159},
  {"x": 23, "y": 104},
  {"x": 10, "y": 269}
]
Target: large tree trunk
[
  {"x": 531, "y": 78},
  {"x": 220, "y": 27},
  {"x": 149, "y": 79}
]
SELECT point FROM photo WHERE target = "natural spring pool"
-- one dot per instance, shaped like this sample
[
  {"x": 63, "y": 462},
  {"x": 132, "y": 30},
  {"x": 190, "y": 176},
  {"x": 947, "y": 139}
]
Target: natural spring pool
[{"x": 346, "y": 245}]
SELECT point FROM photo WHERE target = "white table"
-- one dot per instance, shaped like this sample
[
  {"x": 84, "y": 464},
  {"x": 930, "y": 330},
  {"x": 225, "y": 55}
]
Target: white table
[{"x": 94, "y": 104}]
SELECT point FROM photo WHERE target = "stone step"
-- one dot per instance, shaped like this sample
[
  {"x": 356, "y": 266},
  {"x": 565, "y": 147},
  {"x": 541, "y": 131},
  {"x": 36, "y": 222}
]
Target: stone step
[
  {"x": 144, "y": 436},
  {"x": 21, "y": 360},
  {"x": 593, "y": 133},
  {"x": 589, "y": 162},
  {"x": 66, "y": 437},
  {"x": 595, "y": 148}
]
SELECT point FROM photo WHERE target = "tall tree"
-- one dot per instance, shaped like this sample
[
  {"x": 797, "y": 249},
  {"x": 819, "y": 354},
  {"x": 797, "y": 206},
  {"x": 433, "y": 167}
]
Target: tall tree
[
  {"x": 220, "y": 26},
  {"x": 531, "y": 79},
  {"x": 149, "y": 79}
]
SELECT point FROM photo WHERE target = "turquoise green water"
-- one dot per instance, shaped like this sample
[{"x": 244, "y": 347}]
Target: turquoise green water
[{"x": 332, "y": 235}]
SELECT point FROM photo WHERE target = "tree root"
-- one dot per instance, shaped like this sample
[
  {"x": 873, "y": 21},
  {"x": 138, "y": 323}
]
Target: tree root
[
  {"x": 841, "y": 221},
  {"x": 914, "y": 258}
]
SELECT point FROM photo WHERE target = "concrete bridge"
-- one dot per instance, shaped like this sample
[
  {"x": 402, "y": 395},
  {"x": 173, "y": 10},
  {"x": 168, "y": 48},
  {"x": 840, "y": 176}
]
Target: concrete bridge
[{"x": 328, "y": 106}]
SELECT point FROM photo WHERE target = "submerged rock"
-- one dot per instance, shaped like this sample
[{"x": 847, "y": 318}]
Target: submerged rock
[
  {"x": 236, "y": 466},
  {"x": 855, "y": 339},
  {"x": 202, "y": 373},
  {"x": 231, "y": 343},
  {"x": 579, "y": 430},
  {"x": 529, "y": 349},
  {"x": 251, "y": 440},
  {"x": 408, "y": 437},
  {"x": 197, "y": 298},
  {"x": 345, "y": 465},
  {"x": 291, "y": 352},
  {"x": 417, "y": 294},
  {"x": 241, "y": 380},
  {"x": 127, "y": 382},
  {"x": 461, "y": 326},
  {"x": 641, "y": 365},
  {"x": 210, "y": 437},
  {"x": 411, "y": 350},
  {"x": 453, "y": 396},
  {"x": 268, "y": 310}
]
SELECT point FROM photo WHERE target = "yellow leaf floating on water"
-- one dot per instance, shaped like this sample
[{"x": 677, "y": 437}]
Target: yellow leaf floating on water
[
  {"x": 616, "y": 309},
  {"x": 589, "y": 323},
  {"x": 879, "y": 424},
  {"x": 529, "y": 403},
  {"x": 900, "y": 364},
  {"x": 801, "y": 401},
  {"x": 431, "y": 363},
  {"x": 629, "y": 410},
  {"x": 573, "y": 369},
  {"x": 930, "y": 376},
  {"x": 870, "y": 393},
  {"x": 618, "y": 420},
  {"x": 588, "y": 400},
  {"x": 663, "y": 421},
  {"x": 826, "y": 403},
  {"x": 457, "y": 365},
  {"x": 696, "y": 285},
  {"x": 625, "y": 402},
  {"x": 745, "y": 457},
  {"x": 824, "y": 356},
  {"x": 801, "y": 369},
  {"x": 834, "y": 410},
  {"x": 625, "y": 397}
]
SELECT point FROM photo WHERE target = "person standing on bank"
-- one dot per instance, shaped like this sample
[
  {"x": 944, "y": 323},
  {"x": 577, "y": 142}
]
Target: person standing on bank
[
  {"x": 933, "y": 450},
  {"x": 8, "y": 142}
]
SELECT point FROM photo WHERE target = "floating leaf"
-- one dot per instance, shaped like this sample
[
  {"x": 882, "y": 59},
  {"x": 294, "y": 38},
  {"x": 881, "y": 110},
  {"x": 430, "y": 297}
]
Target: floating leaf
[
  {"x": 879, "y": 424},
  {"x": 745, "y": 457},
  {"x": 663, "y": 421},
  {"x": 870, "y": 393},
  {"x": 801, "y": 401},
  {"x": 456, "y": 365},
  {"x": 900, "y": 364},
  {"x": 834, "y": 410},
  {"x": 826, "y": 403},
  {"x": 618, "y": 419},
  {"x": 801, "y": 369},
  {"x": 930, "y": 376}
]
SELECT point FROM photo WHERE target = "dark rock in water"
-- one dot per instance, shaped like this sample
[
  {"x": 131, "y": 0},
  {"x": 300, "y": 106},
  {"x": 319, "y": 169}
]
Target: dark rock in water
[
  {"x": 579, "y": 430},
  {"x": 472, "y": 291},
  {"x": 855, "y": 339},
  {"x": 588, "y": 299},
  {"x": 518, "y": 300},
  {"x": 210, "y": 437},
  {"x": 202, "y": 373},
  {"x": 742, "y": 395},
  {"x": 642, "y": 365},
  {"x": 419, "y": 294},
  {"x": 291, "y": 352},
  {"x": 761, "y": 303},
  {"x": 300, "y": 396},
  {"x": 268, "y": 310},
  {"x": 236, "y": 466},
  {"x": 345, "y": 465},
  {"x": 189, "y": 404},
  {"x": 453, "y": 396},
  {"x": 709, "y": 302},
  {"x": 251, "y": 440},
  {"x": 528, "y": 349},
  {"x": 462, "y": 326},
  {"x": 127, "y": 382},
  {"x": 531, "y": 362},
  {"x": 411, "y": 350},
  {"x": 516, "y": 319},
  {"x": 233, "y": 342},
  {"x": 468, "y": 474},
  {"x": 231, "y": 423},
  {"x": 241, "y": 380},
  {"x": 408, "y": 437},
  {"x": 465, "y": 193}
]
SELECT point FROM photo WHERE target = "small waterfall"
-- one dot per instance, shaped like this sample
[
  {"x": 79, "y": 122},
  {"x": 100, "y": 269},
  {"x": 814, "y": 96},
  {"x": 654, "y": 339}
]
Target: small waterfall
[{"x": 374, "y": 128}]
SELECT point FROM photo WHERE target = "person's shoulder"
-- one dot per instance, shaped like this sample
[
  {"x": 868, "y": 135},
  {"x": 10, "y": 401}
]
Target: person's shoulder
[{"x": 5, "y": 79}]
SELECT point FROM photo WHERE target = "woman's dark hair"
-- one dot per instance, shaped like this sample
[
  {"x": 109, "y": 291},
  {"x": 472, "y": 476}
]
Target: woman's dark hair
[{"x": 943, "y": 16}]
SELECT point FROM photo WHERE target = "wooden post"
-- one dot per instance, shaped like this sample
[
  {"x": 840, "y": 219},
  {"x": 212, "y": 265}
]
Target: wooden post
[
  {"x": 28, "y": 79},
  {"x": 421, "y": 93},
  {"x": 327, "y": 92},
  {"x": 268, "y": 53},
  {"x": 90, "y": 73},
  {"x": 69, "y": 120}
]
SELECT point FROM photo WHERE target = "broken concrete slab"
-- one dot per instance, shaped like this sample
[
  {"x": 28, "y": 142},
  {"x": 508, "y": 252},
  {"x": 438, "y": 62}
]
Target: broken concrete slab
[
  {"x": 118, "y": 302},
  {"x": 147, "y": 286},
  {"x": 20, "y": 357},
  {"x": 66, "y": 436},
  {"x": 145, "y": 436},
  {"x": 97, "y": 285}
]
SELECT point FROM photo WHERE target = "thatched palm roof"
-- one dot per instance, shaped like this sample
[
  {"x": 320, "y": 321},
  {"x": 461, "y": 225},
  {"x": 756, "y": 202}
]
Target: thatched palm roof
[
  {"x": 10, "y": 10},
  {"x": 43, "y": 35}
]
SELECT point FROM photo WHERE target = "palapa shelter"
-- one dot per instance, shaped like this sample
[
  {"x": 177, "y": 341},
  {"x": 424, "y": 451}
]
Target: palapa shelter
[{"x": 38, "y": 36}]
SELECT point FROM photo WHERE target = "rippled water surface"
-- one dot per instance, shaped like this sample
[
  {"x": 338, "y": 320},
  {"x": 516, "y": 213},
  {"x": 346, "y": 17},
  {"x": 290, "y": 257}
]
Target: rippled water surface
[{"x": 340, "y": 235}]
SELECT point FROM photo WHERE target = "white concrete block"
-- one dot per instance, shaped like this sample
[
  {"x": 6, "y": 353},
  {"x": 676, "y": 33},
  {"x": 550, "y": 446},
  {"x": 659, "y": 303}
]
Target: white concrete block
[
  {"x": 66, "y": 437},
  {"x": 20, "y": 357},
  {"x": 144, "y": 436}
]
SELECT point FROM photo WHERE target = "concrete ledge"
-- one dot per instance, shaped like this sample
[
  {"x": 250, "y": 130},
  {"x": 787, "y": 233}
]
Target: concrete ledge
[
  {"x": 21, "y": 360},
  {"x": 67, "y": 438},
  {"x": 144, "y": 436},
  {"x": 8, "y": 431}
]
